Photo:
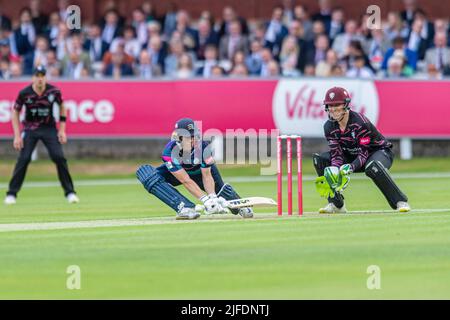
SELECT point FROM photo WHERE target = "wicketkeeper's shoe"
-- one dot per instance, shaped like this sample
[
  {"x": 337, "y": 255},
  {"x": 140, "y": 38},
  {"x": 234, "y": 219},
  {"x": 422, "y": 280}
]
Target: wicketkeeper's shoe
[
  {"x": 9, "y": 200},
  {"x": 72, "y": 198},
  {"x": 187, "y": 214},
  {"x": 403, "y": 206},
  {"x": 246, "y": 213},
  {"x": 331, "y": 208}
]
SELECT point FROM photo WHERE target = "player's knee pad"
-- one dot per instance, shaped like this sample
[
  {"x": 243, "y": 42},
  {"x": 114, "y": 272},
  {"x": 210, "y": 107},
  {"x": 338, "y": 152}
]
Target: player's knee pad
[
  {"x": 320, "y": 163},
  {"x": 381, "y": 177},
  {"x": 155, "y": 184}
]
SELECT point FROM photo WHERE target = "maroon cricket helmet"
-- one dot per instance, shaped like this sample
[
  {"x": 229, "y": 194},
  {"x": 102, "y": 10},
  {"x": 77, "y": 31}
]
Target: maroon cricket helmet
[{"x": 337, "y": 95}]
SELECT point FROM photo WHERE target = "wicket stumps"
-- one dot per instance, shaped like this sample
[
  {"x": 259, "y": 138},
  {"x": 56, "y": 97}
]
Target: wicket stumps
[{"x": 288, "y": 139}]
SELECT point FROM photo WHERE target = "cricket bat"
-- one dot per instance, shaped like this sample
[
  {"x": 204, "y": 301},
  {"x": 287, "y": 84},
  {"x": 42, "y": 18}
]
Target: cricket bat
[{"x": 251, "y": 202}]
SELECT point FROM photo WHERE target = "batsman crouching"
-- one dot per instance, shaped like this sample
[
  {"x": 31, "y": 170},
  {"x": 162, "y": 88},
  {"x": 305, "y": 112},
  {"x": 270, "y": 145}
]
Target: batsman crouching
[
  {"x": 355, "y": 146},
  {"x": 188, "y": 161}
]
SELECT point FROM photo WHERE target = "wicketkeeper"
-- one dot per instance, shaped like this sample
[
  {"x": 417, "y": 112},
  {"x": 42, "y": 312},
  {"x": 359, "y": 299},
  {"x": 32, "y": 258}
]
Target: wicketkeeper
[
  {"x": 188, "y": 161},
  {"x": 355, "y": 146}
]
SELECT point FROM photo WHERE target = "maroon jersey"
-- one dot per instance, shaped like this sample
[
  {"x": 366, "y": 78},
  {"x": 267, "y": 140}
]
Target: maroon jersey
[
  {"x": 356, "y": 143},
  {"x": 38, "y": 108}
]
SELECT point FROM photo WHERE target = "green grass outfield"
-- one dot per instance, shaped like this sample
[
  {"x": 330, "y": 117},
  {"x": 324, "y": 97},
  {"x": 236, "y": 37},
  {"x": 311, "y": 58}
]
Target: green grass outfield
[{"x": 129, "y": 246}]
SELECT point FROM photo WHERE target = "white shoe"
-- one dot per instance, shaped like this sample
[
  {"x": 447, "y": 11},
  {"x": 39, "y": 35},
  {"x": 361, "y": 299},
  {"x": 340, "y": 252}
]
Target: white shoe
[
  {"x": 403, "y": 206},
  {"x": 72, "y": 198},
  {"x": 187, "y": 214},
  {"x": 9, "y": 200},
  {"x": 331, "y": 208},
  {"x": 246, "y": 213}
]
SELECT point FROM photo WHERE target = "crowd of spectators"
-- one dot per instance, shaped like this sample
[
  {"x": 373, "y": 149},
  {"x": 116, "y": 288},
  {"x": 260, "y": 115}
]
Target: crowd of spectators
[{"x": 291, "y": 43}]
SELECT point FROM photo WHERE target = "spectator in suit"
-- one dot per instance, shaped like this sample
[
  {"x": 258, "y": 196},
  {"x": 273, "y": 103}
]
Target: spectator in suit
[
  {"x": 118, "y": 68},
  {"x": 108, "y": 6},
  {"x": 76, "y": 64},
  {"x": 399, "y": 44},
  {"x": 427, "y": 31},
  {"x": 266, "y": 59},
  {"x": 336, "y": 23},
  {"x": 51, "y": 30},
  {"x": 395, "y": 27},
  {"x": 39, "y": 19},
  {"x": 157, "y": 52},
  {"x": 296, "y": 30},
  {"x": 145, "y": 68},
  {"x": 210, "y": 60},
  {"x": 139, "y": 24},
  {"x": 229, "y": 15},
  {"x": 275, "y": 32},
  {"x": 253, "y": 61},
  {"x": 288, "y": 11},
  {"x": 205, "y": 36},
  {"x": 62, "y": 42},
  {"x": 36, "y": 57},
  {"x": 324, "y": 14},
  {"x": 233, "y": 42},
  {"x": 5, "y": 22},
  {"x": 111, "y": 29},
  {"x": 25, "y": 34},
  {"x": 342, "y": 41},
  {"x": 318, "y": 53},
  {"x": 442, "y": 25},
  {"x": 318, "y": 29},
  {"x": 301, "y": 14},
  {"x": 176, "y": 50},
  {"x": 376, "y": 47},
  {"x": 439, "y": 56},
  {"x": 188, "y": 35},
  {"x": 415, "y": 41},
  {"x": 170, "y": 20},
  {"x": 407, "y": 14},
  {"x": 53, "y": 65},
  {"x": 94, "y": 44}
]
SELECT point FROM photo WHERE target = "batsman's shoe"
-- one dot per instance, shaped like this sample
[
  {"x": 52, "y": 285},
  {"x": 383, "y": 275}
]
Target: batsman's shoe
[
  {"x": 403, "y": 206},
  {"x": 331, "y": 208},
  {"x": 187, "y": 214},
  {"x": 246, "y": 213},
  {"x": 9, "y": 200},
  {"x": 72, "y": 198}
]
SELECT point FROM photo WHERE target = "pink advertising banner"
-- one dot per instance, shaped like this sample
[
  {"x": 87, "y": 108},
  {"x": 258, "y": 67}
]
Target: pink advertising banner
[{"x": 146, "y": 109}]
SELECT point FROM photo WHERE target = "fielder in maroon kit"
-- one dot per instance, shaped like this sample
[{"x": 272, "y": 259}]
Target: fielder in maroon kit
[
  {"x": 356, "y": 146},
  {"x": 39, "y": 124}
]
